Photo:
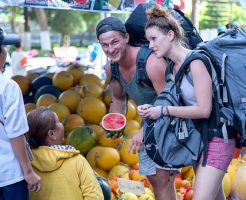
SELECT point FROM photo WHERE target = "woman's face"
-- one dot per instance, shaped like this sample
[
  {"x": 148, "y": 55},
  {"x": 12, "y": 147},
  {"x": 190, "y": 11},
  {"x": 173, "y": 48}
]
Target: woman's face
[{"x": 158, "y": 41}]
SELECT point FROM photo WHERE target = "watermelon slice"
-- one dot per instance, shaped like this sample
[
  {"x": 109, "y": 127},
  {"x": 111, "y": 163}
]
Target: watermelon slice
[{"x": 114, "y": 123}]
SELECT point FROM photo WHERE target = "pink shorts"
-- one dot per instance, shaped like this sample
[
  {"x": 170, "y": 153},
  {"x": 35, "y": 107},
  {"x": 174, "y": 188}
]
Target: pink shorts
[{"x": 219, "y": 153}]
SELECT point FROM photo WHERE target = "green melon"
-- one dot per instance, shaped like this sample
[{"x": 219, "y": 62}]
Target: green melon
[
  {"x": 114, "y": 123},
  {"x": 82, "y": 138}
]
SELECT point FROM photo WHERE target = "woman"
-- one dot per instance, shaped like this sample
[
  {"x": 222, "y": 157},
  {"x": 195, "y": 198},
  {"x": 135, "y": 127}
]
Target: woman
[
  {"x": 65, "y": 173},
  {"x": 166, "y": 40}
]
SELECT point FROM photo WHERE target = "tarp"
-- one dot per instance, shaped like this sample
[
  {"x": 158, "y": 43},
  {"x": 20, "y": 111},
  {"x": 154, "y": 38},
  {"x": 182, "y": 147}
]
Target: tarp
[{"x": 90, "y": 5}]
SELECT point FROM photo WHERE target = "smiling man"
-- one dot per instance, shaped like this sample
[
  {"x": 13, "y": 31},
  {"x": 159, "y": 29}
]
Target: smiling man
[{"x": 122, "y": 71}]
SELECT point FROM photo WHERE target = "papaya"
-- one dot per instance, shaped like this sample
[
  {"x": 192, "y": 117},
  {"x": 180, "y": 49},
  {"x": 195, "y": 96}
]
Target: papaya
[{"x": 82, "y": 138}]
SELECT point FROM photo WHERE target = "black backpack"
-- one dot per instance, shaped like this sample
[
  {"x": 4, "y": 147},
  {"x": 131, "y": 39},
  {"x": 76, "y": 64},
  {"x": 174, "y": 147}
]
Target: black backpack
[{"x": 135, "y": 26}]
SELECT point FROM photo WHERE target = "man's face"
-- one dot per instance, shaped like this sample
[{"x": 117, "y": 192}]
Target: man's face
[
  {"x": 114, "y": 44},
  {"x": 3, "y": 56}
]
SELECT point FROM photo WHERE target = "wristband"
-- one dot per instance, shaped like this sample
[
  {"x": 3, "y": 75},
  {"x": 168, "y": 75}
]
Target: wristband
[
  {"x": 162, "y": 113},
  {"x": 168, "y": 113}
]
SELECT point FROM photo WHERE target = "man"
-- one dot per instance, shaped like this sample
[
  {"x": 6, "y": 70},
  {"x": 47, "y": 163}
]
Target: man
[{"x": 112, "y": 36}]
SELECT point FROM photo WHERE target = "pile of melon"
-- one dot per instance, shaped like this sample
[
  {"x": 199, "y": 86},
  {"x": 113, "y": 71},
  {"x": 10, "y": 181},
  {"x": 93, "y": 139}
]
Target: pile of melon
[{"x": 81, "y": 102}]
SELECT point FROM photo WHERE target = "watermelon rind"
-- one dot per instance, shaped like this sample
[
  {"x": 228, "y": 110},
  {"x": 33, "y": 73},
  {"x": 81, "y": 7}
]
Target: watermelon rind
[{"x": 116, "y": 130}]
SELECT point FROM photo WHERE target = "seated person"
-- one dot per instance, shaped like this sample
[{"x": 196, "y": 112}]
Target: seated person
[{"x": 65, "y": 173}]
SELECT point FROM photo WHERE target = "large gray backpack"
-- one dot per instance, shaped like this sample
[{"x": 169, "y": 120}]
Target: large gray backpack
[
  {"x": 225, "y": 60},
  {"x": 169, "y": 141}
]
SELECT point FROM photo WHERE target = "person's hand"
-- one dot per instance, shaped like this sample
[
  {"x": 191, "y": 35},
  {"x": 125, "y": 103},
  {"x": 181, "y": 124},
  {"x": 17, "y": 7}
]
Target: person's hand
[
  {"x": 136, "y": 143},
  {"x": 33, "y": 181},
  {"x": 142, "y": 110},
  {"x": 114, "y": 135},
  {"x": 154, "y": 112}
]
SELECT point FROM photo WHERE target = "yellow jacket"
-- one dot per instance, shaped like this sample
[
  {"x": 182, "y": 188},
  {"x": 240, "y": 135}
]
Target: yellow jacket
[{"x": 65, "y": 175}]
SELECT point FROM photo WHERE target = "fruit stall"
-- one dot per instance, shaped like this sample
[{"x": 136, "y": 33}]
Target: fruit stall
[{"x": 81, "y": 100}]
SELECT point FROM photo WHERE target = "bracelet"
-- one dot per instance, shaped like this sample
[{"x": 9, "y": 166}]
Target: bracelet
[
  {"x": 162, "y": 114},
  {"x": 168, "y": 113}
]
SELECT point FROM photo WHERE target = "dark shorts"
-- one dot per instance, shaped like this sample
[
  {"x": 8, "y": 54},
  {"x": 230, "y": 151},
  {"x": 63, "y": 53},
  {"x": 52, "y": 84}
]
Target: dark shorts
[
  {"x": 16, "y": 191},
  {"x": 219, "y": 153}
]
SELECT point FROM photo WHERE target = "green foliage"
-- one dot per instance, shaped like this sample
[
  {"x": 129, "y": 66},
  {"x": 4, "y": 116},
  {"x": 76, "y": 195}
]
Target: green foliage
[
  {"x": 67, "y": 22},
  {"x": 215, "y": 13},
  {"x": 221, "y": 12},
  {"x": 238, "y": 14}
]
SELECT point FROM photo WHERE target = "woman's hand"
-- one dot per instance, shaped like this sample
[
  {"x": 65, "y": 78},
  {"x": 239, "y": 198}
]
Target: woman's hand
[
  {"x": 142, "y": 110},
  {"x": 153, "y": 112},
  {"x": 149, "y": 111},
  {"x": 33, "y": 181}
]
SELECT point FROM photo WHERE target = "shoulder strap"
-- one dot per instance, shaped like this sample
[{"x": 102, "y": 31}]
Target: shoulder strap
[
  {"x": 185, "y": 66},
  {"x": 115, "y": 74},
  {"x": 142, "y": 57}
]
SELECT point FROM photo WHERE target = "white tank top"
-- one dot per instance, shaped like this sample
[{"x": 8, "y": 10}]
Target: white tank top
[{"x": 187, "y": 92}]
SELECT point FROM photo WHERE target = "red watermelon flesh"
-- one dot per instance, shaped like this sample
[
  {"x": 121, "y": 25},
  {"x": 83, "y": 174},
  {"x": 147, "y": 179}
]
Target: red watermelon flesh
[{"x": 114, "y": 122}]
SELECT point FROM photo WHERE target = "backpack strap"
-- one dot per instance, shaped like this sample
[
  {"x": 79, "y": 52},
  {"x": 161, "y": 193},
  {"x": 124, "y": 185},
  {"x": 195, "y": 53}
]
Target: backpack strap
[
  {"x": 205, "y": 124},
  {"x": 142, "y": 57},
  {"x": 115, "y": 74}
]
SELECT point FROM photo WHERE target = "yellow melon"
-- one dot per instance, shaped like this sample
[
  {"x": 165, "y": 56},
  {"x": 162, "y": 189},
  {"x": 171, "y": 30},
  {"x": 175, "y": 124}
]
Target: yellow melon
[
  {"x": 107, "y": 158},
  {"x": 92, "y": 154},
  {"x": 226, "y": 185},
  {"x": 70, "y": 99},
  {"x": 127, "y": 157},
  {"x": 90, "y": 78},
  {"x": 91, "y": 109},
  {"x": 129, "y": 196},
  {"x": 239, "y": 183},
  {"x": 23, "y": 83},
  {"x": 71, "y": 122},
  {"x": 29, "y": 107},
  {"x": 121, "y": 171},
  {"x": 187, "y": 172},
  {"x": 146, "y": 197},
  {"x": 98, "y": 130},
  {"x": 63, "y": 80},
  {"x": 32, "y": 76},
  {"x": 46, "y": 100},
  {"x": 131, "y": 126},
  {"x": 109, "y": 142},
  {"x": 77, "y": 73},
  {"x": 79, "y": 90},
  {"x": 61, "y": 110},
  {"x": 50, "y": 75},
  {"x": 106, "y": 98},
  {"x": 138, "y": 119},
  {"x": 101, "y": 172},
  {"x": 92, "y": 90},
  {"x": 131, "y": 110}
]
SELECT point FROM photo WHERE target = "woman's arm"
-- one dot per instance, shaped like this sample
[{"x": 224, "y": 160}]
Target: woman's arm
[{"x": 203, "y": 91}]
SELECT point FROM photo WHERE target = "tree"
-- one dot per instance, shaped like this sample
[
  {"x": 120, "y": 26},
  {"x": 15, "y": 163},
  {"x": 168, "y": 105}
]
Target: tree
[
  {"x": 195, "y": 13},
  {"x": 43, "y": 23},
  {"x": 67, "y": 22},
  {"x": 215, "y": 13}
]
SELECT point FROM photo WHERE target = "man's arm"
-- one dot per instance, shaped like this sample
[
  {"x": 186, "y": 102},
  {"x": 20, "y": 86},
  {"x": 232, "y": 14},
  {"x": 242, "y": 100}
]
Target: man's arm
[
  {"x": 19, "y": 147},
  {"x": 155, "y": 69},
  {"x": 117, "y": 96}
]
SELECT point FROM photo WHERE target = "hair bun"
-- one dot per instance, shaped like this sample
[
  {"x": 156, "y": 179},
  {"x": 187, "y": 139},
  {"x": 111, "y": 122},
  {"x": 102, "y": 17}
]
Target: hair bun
[{"x": 158, "y": 11}]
